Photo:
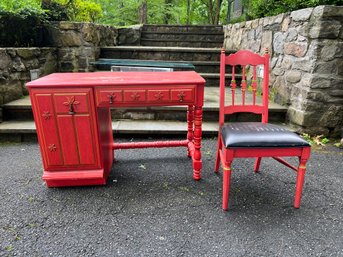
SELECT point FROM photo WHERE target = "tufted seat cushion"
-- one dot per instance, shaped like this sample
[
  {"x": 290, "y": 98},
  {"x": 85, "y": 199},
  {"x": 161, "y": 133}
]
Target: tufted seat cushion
[{"x": 257, "y": 134}]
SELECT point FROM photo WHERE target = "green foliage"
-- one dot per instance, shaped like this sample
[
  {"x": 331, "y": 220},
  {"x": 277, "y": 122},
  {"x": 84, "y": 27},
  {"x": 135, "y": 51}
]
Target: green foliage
[
  {"x": 55, "y": 11},
  {"x": 125, "y": 12},
  {"x": 16, "y": 6},
  {"x": 26, "y": 22},
  {"x": 338, "y": 144},
  {"x": 263, "y": 8},
  {"x": 80, "y": 10},
  {"x": 316, "y": 140}
]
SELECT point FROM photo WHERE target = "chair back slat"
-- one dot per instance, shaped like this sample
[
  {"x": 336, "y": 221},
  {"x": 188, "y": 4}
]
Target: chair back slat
[
  {"x": 243, "y": 99},
  {"x": 243, "y": 85},
  {"x": 233, "y": 85},
  {"x": 254, "y": 85}
]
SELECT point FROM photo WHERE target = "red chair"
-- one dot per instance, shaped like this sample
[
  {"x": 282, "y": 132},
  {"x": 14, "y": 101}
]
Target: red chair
[{"x": 253, "y": 139}]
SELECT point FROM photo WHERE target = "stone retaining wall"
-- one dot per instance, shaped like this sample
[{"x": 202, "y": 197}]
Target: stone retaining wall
[
  {"x": 15, "y": 67},
  {"x": 73, "y": 47},
  {"x": 306, "y": 49},
  {"x": 79, "y": 44}
]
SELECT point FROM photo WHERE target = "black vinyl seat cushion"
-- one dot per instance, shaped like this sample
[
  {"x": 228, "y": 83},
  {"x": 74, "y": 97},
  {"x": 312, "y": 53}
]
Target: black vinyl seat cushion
[{"x": 259, "y": 135}]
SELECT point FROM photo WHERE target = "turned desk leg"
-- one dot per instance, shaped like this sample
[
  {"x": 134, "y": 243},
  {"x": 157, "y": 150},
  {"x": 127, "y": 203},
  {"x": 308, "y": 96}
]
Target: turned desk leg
[
  {"x": 190, "y": 122},
  {"x": 197, "y": 163}
]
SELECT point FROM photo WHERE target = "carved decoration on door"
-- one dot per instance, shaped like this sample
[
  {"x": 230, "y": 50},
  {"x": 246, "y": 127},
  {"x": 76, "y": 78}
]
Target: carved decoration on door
[
  {"x": 46, "y": 115},
  {"x": 71, "y": 102}
]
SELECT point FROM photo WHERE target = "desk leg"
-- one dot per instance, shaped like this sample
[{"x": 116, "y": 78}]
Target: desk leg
[
  {"x": 197, "y": 164},
  {"x": 190, "y": 121}
]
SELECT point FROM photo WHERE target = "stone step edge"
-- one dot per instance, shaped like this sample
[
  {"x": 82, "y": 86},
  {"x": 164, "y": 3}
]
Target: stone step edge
[
  {"x": 212, "y": 33},
  {"x": 206, "y": 108},
  {"x": 124, "y": 127},
  {"x": 119, "y": 126},
  {"x": 25, "y": 104},
  {"x": 178, "y": 26},
  {"x": 181, "y": 41},
  {"x": 164, "y": 49},
  {"x": 199, "y": 63}
]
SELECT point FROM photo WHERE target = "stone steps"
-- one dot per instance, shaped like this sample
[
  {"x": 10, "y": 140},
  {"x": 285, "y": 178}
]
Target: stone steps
[
  {"x": 18, "y": 119},
  {"x": 176, "y": 42},
  {"x": 187, "y": 36},
  {"x": 205, "y": 60},
  {"x": 21, "y": 110},
  {"x": 198, "y": 29},
  {"x": 20, "y": 131}
]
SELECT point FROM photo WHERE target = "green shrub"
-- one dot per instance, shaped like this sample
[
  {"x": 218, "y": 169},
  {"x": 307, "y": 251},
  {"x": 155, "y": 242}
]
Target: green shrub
[
  {"x": 80, "y": 10},
  {"x": 55, "y": 11},
  {"x": 264, "y": 8},
  {"x": 22, "y": 27}
]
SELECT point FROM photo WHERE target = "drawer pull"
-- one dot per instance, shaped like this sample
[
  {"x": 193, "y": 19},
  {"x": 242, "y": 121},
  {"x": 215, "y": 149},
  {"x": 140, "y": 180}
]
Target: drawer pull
[
  {"x": 112, "y": 97},
  {"x": 71, "y": 102},
  {"x": 181, "y": 96}
]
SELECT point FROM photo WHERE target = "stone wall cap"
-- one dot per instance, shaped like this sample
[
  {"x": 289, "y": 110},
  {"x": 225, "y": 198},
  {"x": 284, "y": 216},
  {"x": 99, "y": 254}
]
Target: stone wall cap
[{"x": 302, "y": 14}]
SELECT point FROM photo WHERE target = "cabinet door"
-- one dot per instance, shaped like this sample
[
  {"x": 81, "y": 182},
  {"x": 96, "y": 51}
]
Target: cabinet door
[
  {"x": 75, "y": 113},
  {"x": 77, "y": 139},
  {"x": 47, "y": 129},
  {"x": 67, "y": 128}
]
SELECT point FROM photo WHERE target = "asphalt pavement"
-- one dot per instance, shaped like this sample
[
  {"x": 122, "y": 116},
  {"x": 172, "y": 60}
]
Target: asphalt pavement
[{"x": 151, "y": 206}]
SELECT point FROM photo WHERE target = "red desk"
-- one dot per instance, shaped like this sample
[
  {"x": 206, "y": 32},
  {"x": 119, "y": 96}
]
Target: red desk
[{"x": 74, "y": 128}]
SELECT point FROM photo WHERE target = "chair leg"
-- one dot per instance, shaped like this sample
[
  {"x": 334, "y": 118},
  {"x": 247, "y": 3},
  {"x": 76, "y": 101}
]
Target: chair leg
[
  {"x": 257, "y": 164},
  {"x": 226, "y": 185},
  {"x": 216, "y": 165},
  {"x": 299, "y": 183}
]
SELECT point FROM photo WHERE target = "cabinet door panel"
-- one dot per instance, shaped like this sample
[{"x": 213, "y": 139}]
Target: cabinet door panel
[
  {"x": 78, "y": 102},
  {"x": 48, "y": 129},
  {"x": 85, "y": 139},
  {"x": 68, "y": 139}
]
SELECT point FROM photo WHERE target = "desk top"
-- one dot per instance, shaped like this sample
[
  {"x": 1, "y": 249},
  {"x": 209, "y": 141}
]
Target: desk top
[{"x": 91, "y": 79}]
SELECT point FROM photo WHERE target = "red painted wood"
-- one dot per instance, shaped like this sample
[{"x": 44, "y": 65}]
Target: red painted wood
[
  {"x": 84, "y": 137},
  {"x": 190, "y": 126},
  {"x": 182, "y": 95},
  {"x": 156, "y": 144},
  {"x": 66, "y": 129},
  {"x": 130, "y": 96},
  {"x": 97, "y": 79},
  {"x": 79, "y": 100},
  {"x": 245, "y": 59},
  {"x": 74, "y": 178},
  {"x": 105, "y": 139},
  {"x": 135, "y": 96},
  {"x": 81, "y": 121},
  {"x": 224, "y": 155},
  {"x": 158, "y": 95},
  {"x": 109, "y": 97},
  {"x": 285, "y": 163},
  {"x": 50, "y": 145}
]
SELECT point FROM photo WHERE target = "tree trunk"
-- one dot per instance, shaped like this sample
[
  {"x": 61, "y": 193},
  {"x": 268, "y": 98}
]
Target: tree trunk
[
  {"x": 188, "y": 12},
  {"x": 143, "y": 12},
  {"x": 167, "y": 16},
  {"x": 216, "y": 17}
]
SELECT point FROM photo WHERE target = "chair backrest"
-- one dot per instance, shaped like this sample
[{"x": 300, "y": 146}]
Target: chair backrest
[{"x": 250, "y": 62}]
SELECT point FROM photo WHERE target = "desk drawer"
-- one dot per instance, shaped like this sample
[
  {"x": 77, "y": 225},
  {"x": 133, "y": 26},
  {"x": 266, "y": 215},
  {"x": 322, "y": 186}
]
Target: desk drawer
[{"x": 107, "y": 97}]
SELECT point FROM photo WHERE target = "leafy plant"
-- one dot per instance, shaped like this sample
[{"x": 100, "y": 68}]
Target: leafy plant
[
  {"x": 27, "y": 24},
  {"x": 80, "y": 10},
  {"x": 308, "y": 138},
  {"x": 338, "y": 144},
  {"x": 263, "y": 8},
  {"x": 316, "y": 140}
]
